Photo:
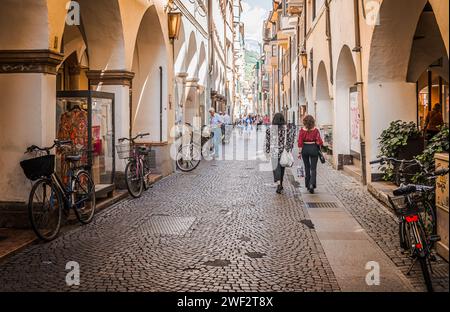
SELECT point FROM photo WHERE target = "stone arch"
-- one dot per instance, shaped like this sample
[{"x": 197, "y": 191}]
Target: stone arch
[
  {"x": 323, "y": 109},
  {"x": 150, "y": 56},
  {"x": 302, "y": 92},
  {"x": 180, "y": 48},
  {"x": 191, "y": 56},
  {"x": 395, "y": 62},
  {"x": 345, "y": 80},
  {"x": 202, "y": 66}
]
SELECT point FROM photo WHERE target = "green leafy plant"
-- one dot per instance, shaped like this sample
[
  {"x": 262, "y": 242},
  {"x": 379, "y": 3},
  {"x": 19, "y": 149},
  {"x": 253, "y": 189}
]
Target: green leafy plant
[
  {"x": 438, "y": 144},
  {"x": 392, "y": 140}
]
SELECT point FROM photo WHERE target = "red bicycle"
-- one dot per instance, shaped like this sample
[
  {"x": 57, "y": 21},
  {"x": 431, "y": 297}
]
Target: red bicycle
[{"x": 138, "y": 167}]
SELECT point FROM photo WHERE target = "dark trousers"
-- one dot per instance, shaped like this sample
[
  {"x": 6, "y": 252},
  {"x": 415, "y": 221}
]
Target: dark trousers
[
  {"x": 278, "y": 170},
  {"x": 310, "y": 155}
]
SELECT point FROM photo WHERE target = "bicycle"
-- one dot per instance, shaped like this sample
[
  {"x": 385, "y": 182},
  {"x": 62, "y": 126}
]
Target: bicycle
[
  {"x": 189, "y": 155},
  {"x": 50, "y": 196},
  {"x": 137, "y": 169},
  {"x": 405, "y": 166},
  {"x": 412, "y": 218}
]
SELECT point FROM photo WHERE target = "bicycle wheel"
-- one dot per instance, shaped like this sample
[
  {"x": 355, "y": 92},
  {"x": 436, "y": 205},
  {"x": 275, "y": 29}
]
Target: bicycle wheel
[
  {"x": 429, "y": 219},
  {"x": 83, "y": 201},
  {"x": 209, "y": 150},
  {"x": 426, "y": 273},
  {"x": 45, "y": 209},
  {"x": 404, "y": 235},
  {"x": 134, "y": 179},
  {"x": 188, "y": 158}
]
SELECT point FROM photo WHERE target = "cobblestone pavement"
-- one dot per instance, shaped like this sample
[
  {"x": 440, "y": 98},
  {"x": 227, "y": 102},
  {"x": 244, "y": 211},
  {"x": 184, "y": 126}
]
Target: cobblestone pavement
[
  {"x": 220, "y": 228},
  {"x": 381, "y": 225}
]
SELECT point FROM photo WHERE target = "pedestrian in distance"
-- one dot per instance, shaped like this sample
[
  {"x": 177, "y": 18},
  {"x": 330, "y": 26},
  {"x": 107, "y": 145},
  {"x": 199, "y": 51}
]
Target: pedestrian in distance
[
  {"x": 279, "y": 137},
  {"x": 309, "y": 144},
  {"x": 216, "y": 126}
]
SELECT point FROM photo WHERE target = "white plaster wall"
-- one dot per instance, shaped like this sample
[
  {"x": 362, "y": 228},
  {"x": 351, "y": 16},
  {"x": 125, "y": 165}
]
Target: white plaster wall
[
  {"x": 27, "y": 105},
  {"x": 387, "y": 102}
]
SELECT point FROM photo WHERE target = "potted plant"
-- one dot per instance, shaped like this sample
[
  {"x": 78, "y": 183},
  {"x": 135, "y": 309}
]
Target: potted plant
[
  {"x": 438, "y": 144},
  {"x": 401, "y": 140}
]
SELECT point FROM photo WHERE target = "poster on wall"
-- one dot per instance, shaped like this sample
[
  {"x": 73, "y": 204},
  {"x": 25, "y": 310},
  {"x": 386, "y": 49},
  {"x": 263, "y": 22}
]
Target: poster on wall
[{"x": 355, "y": 146}]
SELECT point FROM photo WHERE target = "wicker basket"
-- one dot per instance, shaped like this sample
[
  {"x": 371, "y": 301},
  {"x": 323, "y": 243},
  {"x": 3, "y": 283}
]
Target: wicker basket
[
  {"x": 125, "y": 150},
  {"x": 401, "y": 207},
  {"x": 39, "y": 167}
]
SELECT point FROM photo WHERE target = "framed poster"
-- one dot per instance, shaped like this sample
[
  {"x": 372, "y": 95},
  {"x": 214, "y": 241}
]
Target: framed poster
[{"x": 355, "y": 144}]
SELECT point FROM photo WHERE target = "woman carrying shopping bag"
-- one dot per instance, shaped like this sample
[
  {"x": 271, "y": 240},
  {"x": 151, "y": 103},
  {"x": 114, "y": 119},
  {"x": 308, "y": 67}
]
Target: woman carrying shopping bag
[
  {"x": 279, "y": 144},
  {"x": 310, "y": 143}
]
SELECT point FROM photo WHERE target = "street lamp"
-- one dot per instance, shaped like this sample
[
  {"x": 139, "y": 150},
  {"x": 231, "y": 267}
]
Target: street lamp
[
  {"x": 304, "y": 57},
  {"x": 174, "y": 25}
]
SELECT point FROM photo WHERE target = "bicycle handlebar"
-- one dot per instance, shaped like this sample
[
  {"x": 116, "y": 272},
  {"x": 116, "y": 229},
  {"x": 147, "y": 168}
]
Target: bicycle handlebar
[
  {"x": 441, "y": 172},
  {"x": 139, "y": 136},
  {"x": 383, "y": 160},
  {"x": 57, "y": 143}
]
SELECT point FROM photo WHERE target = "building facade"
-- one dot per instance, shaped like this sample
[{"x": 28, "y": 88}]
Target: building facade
[
  {"x": 62, "y": 57},
  {"x": 387, "y": 62}
]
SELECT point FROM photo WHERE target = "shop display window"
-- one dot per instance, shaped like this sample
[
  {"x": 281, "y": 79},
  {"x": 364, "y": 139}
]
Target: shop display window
[{"x": 87, "y": 118}]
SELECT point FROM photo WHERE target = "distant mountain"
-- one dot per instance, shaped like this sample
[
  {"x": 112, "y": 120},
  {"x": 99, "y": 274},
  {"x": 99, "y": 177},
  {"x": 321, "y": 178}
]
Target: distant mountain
[
  {"x": 251, "y": 58},
  {"x": 252, "y": 45}
]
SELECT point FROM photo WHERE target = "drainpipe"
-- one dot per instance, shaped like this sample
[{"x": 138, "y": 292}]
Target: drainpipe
[
  {"x": 160, "y": 103},
  {"x": 328, "y": 34},
  {"x": 362, "y": 123}
]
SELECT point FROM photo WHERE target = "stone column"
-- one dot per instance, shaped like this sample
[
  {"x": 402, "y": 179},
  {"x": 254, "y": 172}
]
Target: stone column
[
  {"x": 191, "y": 107},
  {"x": 118, "y": 82},
  {"x": 28, "y": 116}
]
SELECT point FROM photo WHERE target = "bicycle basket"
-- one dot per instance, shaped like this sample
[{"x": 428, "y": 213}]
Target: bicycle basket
[
  {"x": 39, "y": 167},
  {"x": 125, "y": 150},
  {"x": 403, "y": 209}
]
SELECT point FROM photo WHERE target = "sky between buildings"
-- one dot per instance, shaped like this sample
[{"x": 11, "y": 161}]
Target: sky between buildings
[{"x": 254, "y": 13}]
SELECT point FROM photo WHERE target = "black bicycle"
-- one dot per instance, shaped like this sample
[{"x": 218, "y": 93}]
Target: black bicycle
[
  {"x": 415, "y": 218},
  {"x": 402, "y": 177},
  {"x": 138, "y": 166},
  {"x": 50, "y": 196}
]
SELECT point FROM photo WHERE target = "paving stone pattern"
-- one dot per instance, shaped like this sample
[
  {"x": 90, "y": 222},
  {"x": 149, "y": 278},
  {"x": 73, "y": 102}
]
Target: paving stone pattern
[{"x": 220, "y": 228}]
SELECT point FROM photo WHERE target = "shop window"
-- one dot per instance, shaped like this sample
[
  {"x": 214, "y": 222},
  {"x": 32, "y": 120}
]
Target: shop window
[{"x": 87, "y": 118}]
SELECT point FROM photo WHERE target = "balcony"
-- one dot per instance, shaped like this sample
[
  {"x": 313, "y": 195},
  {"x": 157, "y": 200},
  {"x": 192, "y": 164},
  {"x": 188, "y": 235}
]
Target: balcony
[
  {"x": 288, "y": 25},
  {"x": 295, "y": 7}
]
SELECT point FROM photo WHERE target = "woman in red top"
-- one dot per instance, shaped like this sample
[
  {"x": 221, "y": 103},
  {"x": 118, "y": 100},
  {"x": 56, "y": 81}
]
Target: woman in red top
[{"x": 309, "y": 143}]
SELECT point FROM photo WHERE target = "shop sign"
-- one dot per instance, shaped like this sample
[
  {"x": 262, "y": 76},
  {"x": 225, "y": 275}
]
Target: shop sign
[{"x": 354, "y": 122}]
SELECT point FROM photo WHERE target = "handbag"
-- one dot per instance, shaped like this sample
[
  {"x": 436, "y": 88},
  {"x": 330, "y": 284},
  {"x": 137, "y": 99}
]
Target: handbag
[
  {"x": 287, "y": 159},
  {"x": 321, "y": 157}
]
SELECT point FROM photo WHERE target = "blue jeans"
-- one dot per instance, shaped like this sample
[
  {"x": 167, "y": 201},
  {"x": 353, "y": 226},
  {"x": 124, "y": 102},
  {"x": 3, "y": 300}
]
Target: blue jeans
[{"x": 217, "y": 138}]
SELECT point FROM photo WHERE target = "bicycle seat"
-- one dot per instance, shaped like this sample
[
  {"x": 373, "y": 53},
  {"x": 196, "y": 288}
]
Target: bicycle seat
[
  {"x": 145, "y": 150},
  {"x": 73, "y": 158}
]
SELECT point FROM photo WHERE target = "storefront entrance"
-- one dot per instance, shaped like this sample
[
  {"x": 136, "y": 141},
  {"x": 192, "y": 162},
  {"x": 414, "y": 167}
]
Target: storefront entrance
[{"x": 87, "y": 118}]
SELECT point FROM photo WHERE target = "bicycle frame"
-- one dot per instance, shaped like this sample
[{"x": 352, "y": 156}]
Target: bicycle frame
[{"x": 66, "y": 190}]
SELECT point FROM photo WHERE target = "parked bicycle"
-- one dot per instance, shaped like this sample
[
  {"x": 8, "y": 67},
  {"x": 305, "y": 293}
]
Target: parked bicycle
[
  {"x": 137, "y": 169},
  {"x": 50, "y": 196},
  {"x": 403, "y": 175},
  {"x": 191, "y": 151},
  {"x": 413, "y": 217}
]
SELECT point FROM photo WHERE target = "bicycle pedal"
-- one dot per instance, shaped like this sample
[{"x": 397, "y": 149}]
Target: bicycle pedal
[{"x": 435, "y": 238}]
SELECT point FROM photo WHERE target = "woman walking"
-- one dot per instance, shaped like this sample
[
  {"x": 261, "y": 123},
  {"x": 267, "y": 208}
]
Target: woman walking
[
  {"x": 278, "y": 138},
  {"x": 309, "y": 143}
]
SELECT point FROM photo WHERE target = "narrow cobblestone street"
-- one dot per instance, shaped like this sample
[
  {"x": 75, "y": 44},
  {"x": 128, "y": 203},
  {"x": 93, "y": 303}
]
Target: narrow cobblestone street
[{"x": 220, "y": 228}]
